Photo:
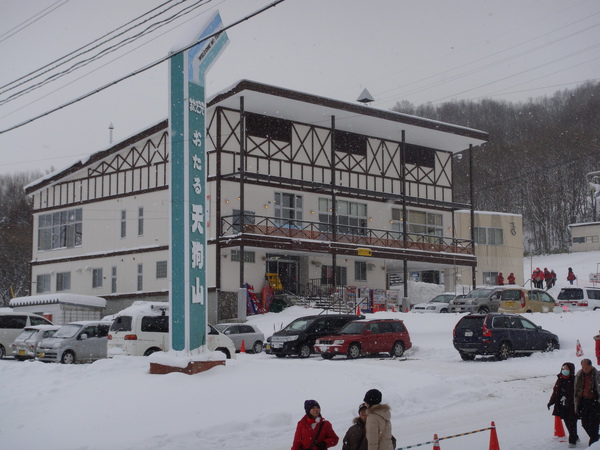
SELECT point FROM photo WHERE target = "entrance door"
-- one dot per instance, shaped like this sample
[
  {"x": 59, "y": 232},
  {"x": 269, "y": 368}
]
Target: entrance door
[{"x": 287, "y": 268}]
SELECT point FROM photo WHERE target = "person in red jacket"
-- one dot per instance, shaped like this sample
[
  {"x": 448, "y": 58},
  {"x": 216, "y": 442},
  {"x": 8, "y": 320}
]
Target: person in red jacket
[
  {"x": 535, "y": 277},
  {"x": 500, "y": 280},
  {"x": 547, "y": 278},
  {"x": 313, "y": 432},
  {"x": 597, "y": 340},
  {"x": 511, "y": 278},
  {"x": 571, "y": 276}
]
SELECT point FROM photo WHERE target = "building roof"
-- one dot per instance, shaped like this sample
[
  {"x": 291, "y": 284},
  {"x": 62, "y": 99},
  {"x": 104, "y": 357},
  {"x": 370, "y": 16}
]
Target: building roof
[
  {"x": 352, "y": 117},
  {"x": 70, "y": 299}
]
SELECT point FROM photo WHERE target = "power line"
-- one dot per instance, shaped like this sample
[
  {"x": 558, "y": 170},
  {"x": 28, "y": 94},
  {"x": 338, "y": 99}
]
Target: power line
[
  {"x": 31, "y": 20},
  {"x": 143, "y": 69}
]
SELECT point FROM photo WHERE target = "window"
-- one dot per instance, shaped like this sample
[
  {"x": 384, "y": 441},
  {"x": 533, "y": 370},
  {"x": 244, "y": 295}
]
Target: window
[
  {"x": 327, "y": 275},
  {"x": 60, "y": 229},
  {"x": 123, "y": 223},
  {"x": 422, "y": 226},
  {"x": 63, "y": 281},
  {"x": 351, "y": 216},
  {"x": 489, "y": 236},
  {"x": 113, "y": 279},
  {"x": 350, "y": 143},
  {"x": 96, "y": 278},
  {"x": 249, "y": 257},
  {"x": 249, "y": 219},
  {"x": 288, "y": 208},
  {"x": 42, "y": 283},
  {"x": 161, "y": 269},
  {"x": 420, "y": 156},
  {"x": 360, "y": 271},
  {"x": 140, "y": 221},
  {"x": 140, "y": 276},
  {"x": 490, "y": 277},
  {"x": 268, "y": 127},
  {"x": 155, "y": 324}
]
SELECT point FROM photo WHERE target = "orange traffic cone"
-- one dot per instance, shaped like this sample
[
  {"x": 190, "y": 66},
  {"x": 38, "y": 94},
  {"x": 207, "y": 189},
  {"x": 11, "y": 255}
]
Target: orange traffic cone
[
  {"x": 579, "y": 351},
  {"x": 436, "y": 442},
  {"x": 559, "y": 431},
  {"x": 357, "y": 310},
  {"x": 494, "y": 445},
  {"x": 243, "y": 348}
]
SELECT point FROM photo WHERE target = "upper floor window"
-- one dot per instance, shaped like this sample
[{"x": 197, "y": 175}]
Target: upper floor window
[
  {"x": 42, "y": 283},
  {"x": 268, "y": 127},
  {"x": 350, "y": 143},
  {"x": 140, "y": 221},
  {"x": 113, "y": 279},
  {"x": 422, "y": 225},
  {"x": 161, "y": 269},
  {"x": 123, "y": 223},
  {"x": 351, "y": 216},
  {"x": 61, "y": 229},
  {"x": 97, "y": 278},
  {"x": 140, "y": 277},
  {"x": 63, "y": 281},
  {"x": 489, "y": 236},
  {"x": 288, "y": 209}
]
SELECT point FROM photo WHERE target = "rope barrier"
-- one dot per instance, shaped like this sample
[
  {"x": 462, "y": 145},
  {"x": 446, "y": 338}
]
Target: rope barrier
[{"x": 446, "y": 437}]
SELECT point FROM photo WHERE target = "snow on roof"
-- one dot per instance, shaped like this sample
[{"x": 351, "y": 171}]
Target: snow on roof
[
  {"x": 588, "y": 224},
  {"x": 146, "y": 308},
  {"x": 71, "y": 299}
]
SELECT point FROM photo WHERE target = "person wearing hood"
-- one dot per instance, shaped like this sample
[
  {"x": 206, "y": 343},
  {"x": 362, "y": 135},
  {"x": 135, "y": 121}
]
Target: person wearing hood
[
  {"x": 511, "y": 278},
  {"x": 355, "y": 438},
  {"x": 587, "y": 392},
  {"x": 378, "y": 427},
  {"x": 571, "y": 276},
  {"x": 313, "y": 432},
  {"x": 563, "y": 399}
]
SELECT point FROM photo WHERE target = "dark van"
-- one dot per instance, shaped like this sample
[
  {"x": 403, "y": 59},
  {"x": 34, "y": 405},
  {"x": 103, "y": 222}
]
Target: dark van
[{"x": 298, "y": 338}]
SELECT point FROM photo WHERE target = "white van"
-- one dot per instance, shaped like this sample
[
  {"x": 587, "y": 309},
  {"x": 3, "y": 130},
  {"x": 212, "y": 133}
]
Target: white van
[
  {"x": 13, "y": 323},
  {"x": 579, "y": 298},
  {"x": 143, "y": 329}
]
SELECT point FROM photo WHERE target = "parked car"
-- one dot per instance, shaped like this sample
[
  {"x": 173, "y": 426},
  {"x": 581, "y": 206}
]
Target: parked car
[
  {"x": 438, "y": 304},
  {"x": 143, "y": 328},
  {"x": 521, "y": 300},
  {"x": 366, "y": 337},
  {"x": 25, "y": 345},
  {"x": 12, "y": 324},
  {"x": 250, "y": 335},
  {"x": 579, "y": 298},
  {"x": 75, "y": 342},
  {"x": 481, "y": 300},
  {"x": 298, "y": 338},
  {"x": 502, "y": 335}
]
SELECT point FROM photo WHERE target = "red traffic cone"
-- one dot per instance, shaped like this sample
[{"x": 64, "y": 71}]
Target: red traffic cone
[
  {"x": 559, "y": 431},
  {"x": 243, "y": 348},
  {"x": 494, "y": 445},
  {"x": 579, "y": 351},
  {"x": 357, "y": 310},
  {"x": 436, "y": 442}
]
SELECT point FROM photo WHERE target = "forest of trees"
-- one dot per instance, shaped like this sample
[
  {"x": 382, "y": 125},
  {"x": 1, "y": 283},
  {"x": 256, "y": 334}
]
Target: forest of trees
[{"x": 534, "y": 164}]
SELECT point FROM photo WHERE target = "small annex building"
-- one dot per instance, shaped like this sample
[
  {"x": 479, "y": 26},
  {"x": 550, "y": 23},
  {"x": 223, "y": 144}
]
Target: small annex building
[{"x": 61, "y": 308}]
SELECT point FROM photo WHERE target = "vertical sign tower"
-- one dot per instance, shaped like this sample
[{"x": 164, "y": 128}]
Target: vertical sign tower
[{"x": 187, "y": 131}]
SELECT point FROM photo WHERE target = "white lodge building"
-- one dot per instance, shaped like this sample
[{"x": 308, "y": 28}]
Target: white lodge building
[{"x": 101, "y": 226}]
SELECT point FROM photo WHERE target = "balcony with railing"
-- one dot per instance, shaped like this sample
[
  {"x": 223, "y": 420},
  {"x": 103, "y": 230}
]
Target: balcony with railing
[{"x": 345, "y": 234}]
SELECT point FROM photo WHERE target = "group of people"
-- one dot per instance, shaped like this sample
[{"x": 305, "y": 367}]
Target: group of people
[
  {"x": 510, "y": 279},
  {"x": 371, "y": 430},
  {"x": 538, "y": 277},
  {"x": 575, "y": 397}
]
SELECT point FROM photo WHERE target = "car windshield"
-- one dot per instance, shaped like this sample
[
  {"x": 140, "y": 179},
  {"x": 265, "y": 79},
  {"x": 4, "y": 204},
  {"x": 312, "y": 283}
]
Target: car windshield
[
  {"x": 121, "y": 323},
  {"x": 570, "y": 294},
  {"x": 67, "y": 331},
  {"x": 353, "y": 328},
  {"x": 479, "y": 293},
  {"x": 441, "y": 299},
  {"x": 299, "y": 324},
  {"x": 222, "y": 327}
]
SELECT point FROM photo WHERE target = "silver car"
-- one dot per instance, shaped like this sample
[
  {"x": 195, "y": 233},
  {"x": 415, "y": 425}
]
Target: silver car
[
  {"x": 25, "y": 345},
  {"x": 250, "y": 335},
  {"x": 75, "y": 342}
]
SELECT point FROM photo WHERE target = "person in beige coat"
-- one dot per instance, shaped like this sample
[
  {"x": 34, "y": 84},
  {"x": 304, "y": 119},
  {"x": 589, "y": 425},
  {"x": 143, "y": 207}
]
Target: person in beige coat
[{"x": 378, "y": 426}]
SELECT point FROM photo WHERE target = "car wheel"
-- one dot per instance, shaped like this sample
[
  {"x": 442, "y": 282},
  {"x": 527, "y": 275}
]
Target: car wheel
[
  {"x": 304, "y": 351},
  {"x": 484, "y": 310},
  {"x": 327, "y": 355},
  {"x": 529, "y": 311},
  {"x": 444, "y": 311},
  {"x": 280, "y": 355},
  {"x": 550, "y": 346},
  {"x": 467, "y": 357},
  {"x": 152, "y": 350},
  {"x": 2, "y": 352},
  {"x": 257, "y": 347},
  {"x": 225, "y": 351},
  {"x": 68, "y": 358},
  {"x": 504, "y": 351},
  {"x": 353, "y": 351},
  {"x": 398, "y": 349}
]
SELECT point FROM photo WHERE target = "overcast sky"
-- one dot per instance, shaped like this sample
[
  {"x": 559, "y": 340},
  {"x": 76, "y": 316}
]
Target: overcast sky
[{"x": 420, "y": 51}]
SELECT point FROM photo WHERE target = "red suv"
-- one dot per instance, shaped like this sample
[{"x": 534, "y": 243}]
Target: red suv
[{"x": 364, "y": 337}]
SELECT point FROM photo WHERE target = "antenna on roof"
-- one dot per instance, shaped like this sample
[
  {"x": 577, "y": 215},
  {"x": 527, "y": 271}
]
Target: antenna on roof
[
  {"x": 365, "y": 97},
  {"x": 111, "y": 127}
]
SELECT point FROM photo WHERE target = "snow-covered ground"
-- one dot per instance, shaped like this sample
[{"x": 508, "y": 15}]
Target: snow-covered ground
[{"x": 255, "y": 401}]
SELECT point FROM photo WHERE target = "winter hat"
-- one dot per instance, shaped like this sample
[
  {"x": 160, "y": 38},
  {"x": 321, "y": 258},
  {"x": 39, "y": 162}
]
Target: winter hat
[
  {"x": 362, "y": 407},
  {"x": 310, "y": 404},
  {"x": 372, "y": 397}
]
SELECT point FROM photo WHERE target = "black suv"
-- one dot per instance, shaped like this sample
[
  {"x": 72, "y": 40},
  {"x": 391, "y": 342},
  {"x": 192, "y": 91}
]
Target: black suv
[
  {"x": 299, "y": 337},
  {"x": 502, "y": 335}
]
